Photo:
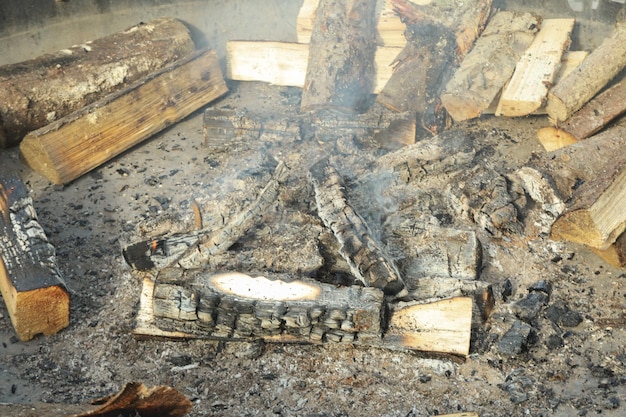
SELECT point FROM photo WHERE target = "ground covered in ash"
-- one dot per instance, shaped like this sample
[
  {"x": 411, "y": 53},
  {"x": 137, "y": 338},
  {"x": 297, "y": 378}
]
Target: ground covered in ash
[{"x": 564, "y": 357}]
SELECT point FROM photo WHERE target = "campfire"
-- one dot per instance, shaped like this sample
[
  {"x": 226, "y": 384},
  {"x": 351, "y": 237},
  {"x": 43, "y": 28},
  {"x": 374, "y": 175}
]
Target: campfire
[{"x": 362, "y": 206}]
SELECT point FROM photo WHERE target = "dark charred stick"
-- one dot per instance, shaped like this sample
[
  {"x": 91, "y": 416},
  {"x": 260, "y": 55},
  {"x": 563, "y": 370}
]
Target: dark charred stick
[{"x": 367, "y": 260}]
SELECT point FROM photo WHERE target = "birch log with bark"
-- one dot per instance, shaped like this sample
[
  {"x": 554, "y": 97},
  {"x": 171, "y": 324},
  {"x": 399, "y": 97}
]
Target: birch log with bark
[
  {"x": 39, "y": 91},
  {"x": 340, "y": 71}
]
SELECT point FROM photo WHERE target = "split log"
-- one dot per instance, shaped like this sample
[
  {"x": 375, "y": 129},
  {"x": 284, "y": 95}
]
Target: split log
[
  {"x": 83, "y": 140},
  {"x": 488, "y": 66},
  {"x": 367, "y": 260},
  {"x": 615, "y": 254},
  {"x": 194, "y": 249},
  {"x": 389, "y": 27},
  {"x": 340, "y": 70},
  {"x": 236, "y": 306},
  {"x": 283, "y": 63},
  {"x": 591, "y": 118},
  {"x": 31, "y": 284},
  {"x": 527, "y": 89},
  {"x": 600, "y": 67},
  {"x": 438, "y": 37},
  {"x": 39, "y": 91}
]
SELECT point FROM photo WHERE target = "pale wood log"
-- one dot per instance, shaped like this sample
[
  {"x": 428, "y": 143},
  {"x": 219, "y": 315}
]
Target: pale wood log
[
  {"x": 597, "y": 113},
  {"x": 81, "y": 141},
  {"x": 527, "y": 89},
  {"x": 30, "y": 282},
  {"x": 389, "y": 28},
  {"x": 194, "y": 248},
  {"x": 368, "y": 262},
  {"x": 283, "y": 63},
  {"x": 553, "y": 138},
  {"x": 285, "y": 309},
  {"x": 615, "y": 254},
  {"x": 439, "y": 36},
  {"x": 340, "y": 69},
  {"x": 39, "y": 91},
  {"x": 600, "y": 67},
  {"x": 487, "y": 67}
]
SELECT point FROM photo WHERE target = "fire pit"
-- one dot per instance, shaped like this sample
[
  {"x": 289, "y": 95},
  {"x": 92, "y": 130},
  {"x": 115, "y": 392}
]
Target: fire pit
[{"x": 262, "y": 258}]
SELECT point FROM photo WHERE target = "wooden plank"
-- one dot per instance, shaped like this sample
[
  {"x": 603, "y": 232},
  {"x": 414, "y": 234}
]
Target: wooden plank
[
  {"x": 389, "y": 28},
  {"x": 44, "y": 89},
  {"x": 78, "y": 143},
  {"x": 340, "y": 71},
  {"x": 30, "y": 282},
  {"x": 283, "y": 63},
  {"x": 488, "y": 66},
  {"x": 535, "y": 72},
  {"x": 600, "y": 67}
]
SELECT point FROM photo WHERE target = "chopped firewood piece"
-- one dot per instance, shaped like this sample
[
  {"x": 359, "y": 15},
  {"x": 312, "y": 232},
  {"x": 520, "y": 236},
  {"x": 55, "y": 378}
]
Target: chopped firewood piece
[
  {"x": 615, "y": 254},
  {"x": 534, "y": 74},
  {"x": 340, "y": 71},
  {"x": 368, "y": 261},
  {"x": 597, "y": 113},
  {"x": 432, "y": 326},
  {"x": 600, "y": 67},
  {"x": 459, "y": 415},
  {"x": 31, "y": 284},
  {"x": 284, "y": 309},
  {"x": 137, "y": 399},
  {"x": 438, "y": 37},
  {"x": 390, "y": 29},
  {"x": 194, "y": 249},
  {"x": 490, "y": 64},
  {"x": 64, "y": 150},
  {"x": 553, "y": 138},
  {"x": 39, "y": 91},
  {"x": 598, "y": 215},
  {"x": 283, "y": 63}
]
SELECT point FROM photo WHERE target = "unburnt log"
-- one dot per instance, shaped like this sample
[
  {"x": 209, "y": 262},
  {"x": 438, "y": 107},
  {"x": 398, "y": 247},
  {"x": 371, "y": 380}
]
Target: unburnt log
[
  {"x": 437, "y": 41},
  {"x": 39, "y": 91},
  {"x": 31, "y": 284},
  {"x": 194, "y": 249},
  {"x": 367, "y": 259},
  {"x": 340, "y": 71},
  {"x": 600, "y": 67}
]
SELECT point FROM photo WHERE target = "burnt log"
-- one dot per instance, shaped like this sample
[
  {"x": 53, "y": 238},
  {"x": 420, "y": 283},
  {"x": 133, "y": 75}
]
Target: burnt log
[
  {"x": 367, "y": 259},
  {"x": 340, "y": 71},
  {"x": 39, "y": 91},
  {"x": 31, "y": 284}
]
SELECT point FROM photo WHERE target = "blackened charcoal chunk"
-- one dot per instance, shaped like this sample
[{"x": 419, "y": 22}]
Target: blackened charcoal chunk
[
  {"x": 516, "y": 339},
  {"x": 541, "y": 286},
  {"x": 529, "y": 307},
  {"x": 562, "y": 315}
]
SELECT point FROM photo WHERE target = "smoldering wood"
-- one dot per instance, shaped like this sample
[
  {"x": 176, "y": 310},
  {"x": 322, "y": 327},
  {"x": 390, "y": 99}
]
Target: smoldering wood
[
  {"x": 36, "y": 92},
  {"x": 30, "y": 281},
  {"x": 437, "y": 40},
  {"x": 367, "y": 259},
  {"x": 476, "y": 85},
  {"x": 238, "y": 306},
  {"x": 196, "y": 248},
  {"x": 595, "y": 72},
  {"x": 340, "y": 71}
]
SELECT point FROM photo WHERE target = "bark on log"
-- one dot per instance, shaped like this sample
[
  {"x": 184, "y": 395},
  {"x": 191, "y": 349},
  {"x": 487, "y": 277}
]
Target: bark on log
[
  {"x": 194, "y": 249},
  {"x": 600, "y": 67},
  {"x": 591, "y": 118},
  {"x": 488, "y": 66},
  {"x": 527, "y": 89},
  {"x": 283, "y": 63},
  {"x": 31, "y": 284},
  {"x": 39, "y": 91},
  {"x": 236, "y": 306},
  {"x": 368, "y": 261},
  {"x": 81, "y": 141},
  {"x": 340, "y": 70},
  {"x": 437, "y": 41}
]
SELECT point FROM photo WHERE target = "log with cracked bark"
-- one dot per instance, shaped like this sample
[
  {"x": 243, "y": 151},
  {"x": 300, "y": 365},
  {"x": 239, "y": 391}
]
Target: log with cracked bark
[
  {"x": 39, "y": 91},
  {"x": 282, "y": 308},
  {"x": 367, "y": 259},
  {"x": 31, "y": 284}
]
